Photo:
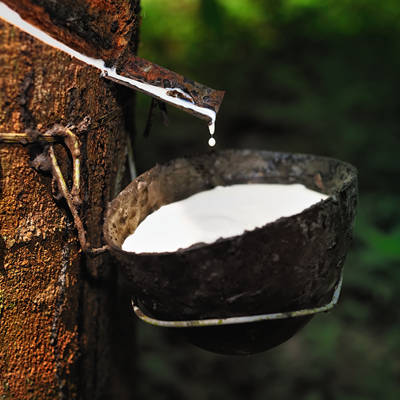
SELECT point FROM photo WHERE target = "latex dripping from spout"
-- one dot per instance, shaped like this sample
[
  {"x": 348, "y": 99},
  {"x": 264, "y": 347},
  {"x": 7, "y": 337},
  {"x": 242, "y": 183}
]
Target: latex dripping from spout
[
  {"x": 129, "y": 70},
  {"x": 211, "y": 127}
]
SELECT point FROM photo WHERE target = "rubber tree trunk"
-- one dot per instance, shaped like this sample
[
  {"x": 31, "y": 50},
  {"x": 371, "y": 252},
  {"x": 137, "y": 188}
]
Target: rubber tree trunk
[{"x": 65, "y": 327}]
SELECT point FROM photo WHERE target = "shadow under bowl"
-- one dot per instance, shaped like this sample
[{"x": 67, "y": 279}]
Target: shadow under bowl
[{"x": 290, "y": 264}]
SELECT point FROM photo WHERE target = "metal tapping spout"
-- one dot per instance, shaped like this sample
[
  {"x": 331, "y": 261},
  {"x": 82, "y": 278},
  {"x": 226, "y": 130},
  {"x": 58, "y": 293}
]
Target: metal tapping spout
[
  {"x": 111, "y": 52},
  {"x": 170, "y": 87}
]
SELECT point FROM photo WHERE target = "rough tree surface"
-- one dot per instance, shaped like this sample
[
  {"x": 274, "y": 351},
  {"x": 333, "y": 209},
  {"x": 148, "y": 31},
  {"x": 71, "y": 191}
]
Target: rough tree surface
[{"x": 60, "y": 329}]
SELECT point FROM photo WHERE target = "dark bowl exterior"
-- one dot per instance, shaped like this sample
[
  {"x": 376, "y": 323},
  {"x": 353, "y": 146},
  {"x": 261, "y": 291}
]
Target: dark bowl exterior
[
  {"x": 245, "y": 339},
  {"x": 290, "y": 264}
]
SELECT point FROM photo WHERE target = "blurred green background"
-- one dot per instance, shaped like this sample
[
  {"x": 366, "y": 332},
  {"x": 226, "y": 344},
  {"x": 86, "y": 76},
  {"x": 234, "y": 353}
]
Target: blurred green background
[{"x": 314, "y": 76}]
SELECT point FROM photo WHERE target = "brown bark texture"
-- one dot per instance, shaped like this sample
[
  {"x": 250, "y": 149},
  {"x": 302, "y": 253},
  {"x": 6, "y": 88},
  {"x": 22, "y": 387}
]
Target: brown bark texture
[
  {"x": 98, "y": 28},
  {"x": 62, "y": 326}
]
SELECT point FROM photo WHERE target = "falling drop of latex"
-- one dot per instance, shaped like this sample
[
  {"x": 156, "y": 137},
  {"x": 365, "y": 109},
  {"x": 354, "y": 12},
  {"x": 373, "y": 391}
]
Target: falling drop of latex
[{"x": 211, "y": 127}]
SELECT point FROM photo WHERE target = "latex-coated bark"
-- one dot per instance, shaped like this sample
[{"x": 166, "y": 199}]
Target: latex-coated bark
[{"x": 98, "y": 28}]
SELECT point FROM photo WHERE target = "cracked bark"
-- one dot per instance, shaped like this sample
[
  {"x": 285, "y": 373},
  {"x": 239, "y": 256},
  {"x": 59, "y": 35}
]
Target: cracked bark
[{"x": 65, "y": 326}]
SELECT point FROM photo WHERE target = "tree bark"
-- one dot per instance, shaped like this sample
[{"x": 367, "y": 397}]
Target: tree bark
[
  {"x": 97, "y": 28},
  {"x": 63, "y": 331}
]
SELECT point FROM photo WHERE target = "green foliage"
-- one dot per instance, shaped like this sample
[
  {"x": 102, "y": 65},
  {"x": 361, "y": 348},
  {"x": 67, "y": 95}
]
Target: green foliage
[{"x": 316, "y": 76}]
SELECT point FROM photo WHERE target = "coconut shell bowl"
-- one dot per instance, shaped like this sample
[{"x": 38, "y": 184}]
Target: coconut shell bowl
[{"x": 247, "y": 293}]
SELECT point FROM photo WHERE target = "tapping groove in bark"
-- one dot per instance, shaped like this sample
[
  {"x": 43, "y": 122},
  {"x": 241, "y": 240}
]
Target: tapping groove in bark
[
  {"x": 60, "y": 334},
  {"x": 98, "y": 28}
]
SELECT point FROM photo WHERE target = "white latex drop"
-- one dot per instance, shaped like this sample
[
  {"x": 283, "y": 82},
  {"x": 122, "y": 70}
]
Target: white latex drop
[
  {"x": 212, "y": 142},
  {"x": 222, "y": 212},
  {"x": 12, "y": 17}
]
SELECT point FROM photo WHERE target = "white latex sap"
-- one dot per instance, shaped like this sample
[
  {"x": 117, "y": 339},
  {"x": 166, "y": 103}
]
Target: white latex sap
[
  {"x": 221, "y": 212},
  {"x": 12, "y": 17}
]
